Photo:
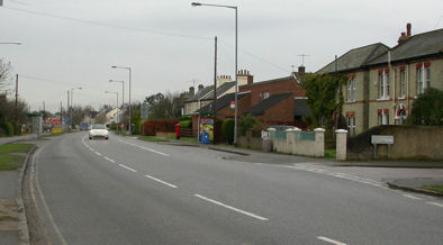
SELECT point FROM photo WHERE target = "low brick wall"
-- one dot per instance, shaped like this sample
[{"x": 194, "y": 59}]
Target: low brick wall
[
  {"x": 410, "y": 143},
  {"x": 297, "y": 142}
]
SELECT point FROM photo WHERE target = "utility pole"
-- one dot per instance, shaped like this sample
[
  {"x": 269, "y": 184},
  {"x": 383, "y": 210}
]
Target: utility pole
[
  {"x": 16, "y": 103},
  {"x": 61, "y": 113},
  {"x": 67, "y": 105},
  {"x": 44, "y": 111},
  {"x": 215, "y": 83}
]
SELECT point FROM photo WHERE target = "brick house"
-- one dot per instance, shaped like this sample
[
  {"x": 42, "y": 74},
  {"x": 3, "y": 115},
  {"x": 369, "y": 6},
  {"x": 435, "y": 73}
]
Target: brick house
[{"x": 383, "y": 82}]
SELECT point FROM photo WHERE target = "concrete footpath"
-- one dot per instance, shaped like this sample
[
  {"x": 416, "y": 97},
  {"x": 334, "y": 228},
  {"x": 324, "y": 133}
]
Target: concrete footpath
[
  {"x": 13, "y": 228},
  {"x": 8, "y": 140}
]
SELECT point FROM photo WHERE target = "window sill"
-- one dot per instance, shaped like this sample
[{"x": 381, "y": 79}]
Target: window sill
[
  {"x": 384, "y": 99},
  {"x": 401, "y": 98}
]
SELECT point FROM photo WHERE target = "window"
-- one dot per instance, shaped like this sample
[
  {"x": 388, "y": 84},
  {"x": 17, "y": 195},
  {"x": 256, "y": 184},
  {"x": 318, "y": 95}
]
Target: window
[
  {"x": 350, "y": 122},
  {"x": 383, "y": 117},
  {"x": 383, "y": 84},
  {"x": 350, "y": 90},
  {"x": 402, "y": 82},
  {"x": 423, "y": 77}
]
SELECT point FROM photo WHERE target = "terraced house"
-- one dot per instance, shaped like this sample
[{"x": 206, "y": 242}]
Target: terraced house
[{"x": 383, "y": 82}]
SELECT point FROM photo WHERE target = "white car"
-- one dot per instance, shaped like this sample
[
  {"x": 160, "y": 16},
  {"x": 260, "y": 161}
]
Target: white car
[{"x": 98, "y": 130}]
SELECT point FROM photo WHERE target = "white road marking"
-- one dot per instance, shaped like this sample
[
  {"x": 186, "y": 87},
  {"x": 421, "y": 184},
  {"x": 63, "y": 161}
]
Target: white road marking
[
  {"x": 97, "y": 153},
  {"x": 145, "y": 148},
  {"x": 329, "y": 240},
  {"x": 412, "y": 197},
  {"x": 339, "y": 175},
  {"x": 127, "y": 168},
  {"x": 109, "y": 159},
  {"x": 160, "y": 181},
  {"x": 231, "y": 208},
  {"x": 436, "y": 204}
]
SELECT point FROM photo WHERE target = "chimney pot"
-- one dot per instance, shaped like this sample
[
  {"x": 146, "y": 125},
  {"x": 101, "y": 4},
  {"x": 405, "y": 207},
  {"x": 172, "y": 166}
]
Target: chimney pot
[
  {"x": 200, "y": 87},
  {"x": 301, "y": 70},
  {"x": 191, "y": 90},
  {"x": 408, "y": 29}
]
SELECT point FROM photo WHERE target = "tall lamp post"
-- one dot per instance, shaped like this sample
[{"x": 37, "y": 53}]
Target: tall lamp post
[
  {"x": 72, "y": 105},
  {"x": 129, "y": 101},
  {"x": 118, "y": 114},
  {"x": 197, "y": 4},
  {"x": 123, "y": 90}
]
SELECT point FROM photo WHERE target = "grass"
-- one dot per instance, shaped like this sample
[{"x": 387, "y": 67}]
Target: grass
[
  {"x": 436, "y": 188},
  {"x": 12, "y": 156},
  {"x": 330, "y": 153},
  {"x": 191, "y": 140}
]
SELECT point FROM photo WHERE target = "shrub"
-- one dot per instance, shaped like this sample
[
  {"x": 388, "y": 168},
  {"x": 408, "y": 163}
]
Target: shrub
[
  {"x": 8, "y": 128},
  {"x": 428, "y": 108},
  {"x": 228, "y": 130},
  {"x": 246, "y": 123}
]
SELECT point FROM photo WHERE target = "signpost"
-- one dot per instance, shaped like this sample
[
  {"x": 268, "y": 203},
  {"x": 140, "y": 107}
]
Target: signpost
[{"x": 381, "y": 140}]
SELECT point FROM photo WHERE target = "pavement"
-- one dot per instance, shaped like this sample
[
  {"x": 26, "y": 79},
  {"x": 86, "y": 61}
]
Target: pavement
[
  {"x": 8, "y": 140},
  {"x": 9, "y": 215},
  {"x": 126, "y": 191},
  {"x": 416, "y": 185}
]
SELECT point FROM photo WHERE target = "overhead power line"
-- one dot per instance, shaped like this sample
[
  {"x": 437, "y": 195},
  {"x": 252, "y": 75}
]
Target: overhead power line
[{"x": 101, "y": 24}]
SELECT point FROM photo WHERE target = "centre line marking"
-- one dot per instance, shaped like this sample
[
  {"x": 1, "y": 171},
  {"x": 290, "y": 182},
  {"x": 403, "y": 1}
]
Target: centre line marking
[
  {"x": 412, "y": 197},
  {"x": 127, "y": 168},
  {"x": 160, "y": 181},
  {"x": 97, "y": 153},
  {"x": 109, "y": 159},
  {"x": 436, "y": 204},
  {"x": 329, "y": 240},
  {"x": 231, "y": 208}
]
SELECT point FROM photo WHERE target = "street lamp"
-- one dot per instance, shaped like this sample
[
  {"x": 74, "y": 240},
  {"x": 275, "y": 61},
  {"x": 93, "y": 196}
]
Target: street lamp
[
  {"x": 123, "y": 93},
  {"x": 197, "y": 4},
  {"x": 130, "y": 110},
  {"x": 72, "y": 105},
  {"x": 118, "y": 114}
]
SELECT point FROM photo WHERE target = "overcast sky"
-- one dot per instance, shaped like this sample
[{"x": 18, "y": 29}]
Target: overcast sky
[{"x": 168, "y": 43}]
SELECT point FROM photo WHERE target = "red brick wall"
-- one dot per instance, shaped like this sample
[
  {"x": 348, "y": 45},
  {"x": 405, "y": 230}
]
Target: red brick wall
[
  {"x": 277, "y": 87},
  {"x": 227, "y": 112},
  {"x": 281, "y": 113}
]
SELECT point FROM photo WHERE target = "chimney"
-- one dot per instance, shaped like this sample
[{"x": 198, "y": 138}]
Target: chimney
[
  {"x": 200, "y": 87},
  {"x": 405, "y": 35},
  {"x": 223, "y": 79},
  {"x": 301, "y": 70},
  {"x": 191, "y": 90},
  {"x": 403, "y": 38},
  {"x": 244, "y": 78},
  {"x": 408, "y": 30}
]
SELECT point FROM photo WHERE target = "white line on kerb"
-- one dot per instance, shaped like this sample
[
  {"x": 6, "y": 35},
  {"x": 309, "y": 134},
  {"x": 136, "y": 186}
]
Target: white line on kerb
[
  {"x": 160, "y": 181},
  {"x": 329, "y": 240},
  {"x": 231, "y": 208},
  {"x": 412, "y": 197},
  {"x": 109, "y": 159},
  {"x": 436, "y": 204},
  {"x": 127, "y": 168}
]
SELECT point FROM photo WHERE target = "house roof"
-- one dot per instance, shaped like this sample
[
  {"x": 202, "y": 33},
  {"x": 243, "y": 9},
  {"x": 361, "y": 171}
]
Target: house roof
[
  {"x": 281, "y": 79},
  {"x": 222, "y": 102},
  {"x": 205, "y": 93},
  {"x": 264, "y": 105},
  {"x": 424, "y": 44},
  {"x": 355, "y": 58},
  {"x": 302, "y": 108}
]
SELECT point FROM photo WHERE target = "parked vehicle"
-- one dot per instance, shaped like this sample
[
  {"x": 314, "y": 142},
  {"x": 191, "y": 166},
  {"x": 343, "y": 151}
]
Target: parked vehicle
[
  {"x": 98, "y": 130},
  {"x": 84, "y": 126}
]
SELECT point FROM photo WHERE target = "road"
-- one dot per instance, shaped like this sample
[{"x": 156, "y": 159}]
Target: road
[{"x": 124, "y": 191}]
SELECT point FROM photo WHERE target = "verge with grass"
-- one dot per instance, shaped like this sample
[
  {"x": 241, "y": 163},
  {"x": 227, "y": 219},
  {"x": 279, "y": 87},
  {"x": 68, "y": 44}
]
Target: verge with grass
[
  {"x": 13, "y": 155},
  {"x": 434, "y": 188},
  {"x": 330, "y": 153}
]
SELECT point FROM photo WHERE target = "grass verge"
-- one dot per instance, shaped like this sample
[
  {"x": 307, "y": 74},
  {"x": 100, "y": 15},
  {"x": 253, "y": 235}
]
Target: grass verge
[
  {"x": 13, "y": 155},
  {"x": 330, "y": 153},
  {"x": 435, "y": 188},
  {"x": 191, "y": 140}
]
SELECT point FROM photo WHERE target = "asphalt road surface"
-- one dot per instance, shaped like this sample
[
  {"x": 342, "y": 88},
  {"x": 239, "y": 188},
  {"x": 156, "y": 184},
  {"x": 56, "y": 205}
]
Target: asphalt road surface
[{"x": 124, "y": 191}]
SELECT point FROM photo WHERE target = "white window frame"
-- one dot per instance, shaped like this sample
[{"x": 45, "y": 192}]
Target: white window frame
[
  {"x": 383, "y": 117},
  {"x": 351, "y": 90},
  {"x": 350, "y": 123},
  {"x": 383, "y": 85},
  {"x": 423, "y": 78},
  {"x": 402, "y": 83}
]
